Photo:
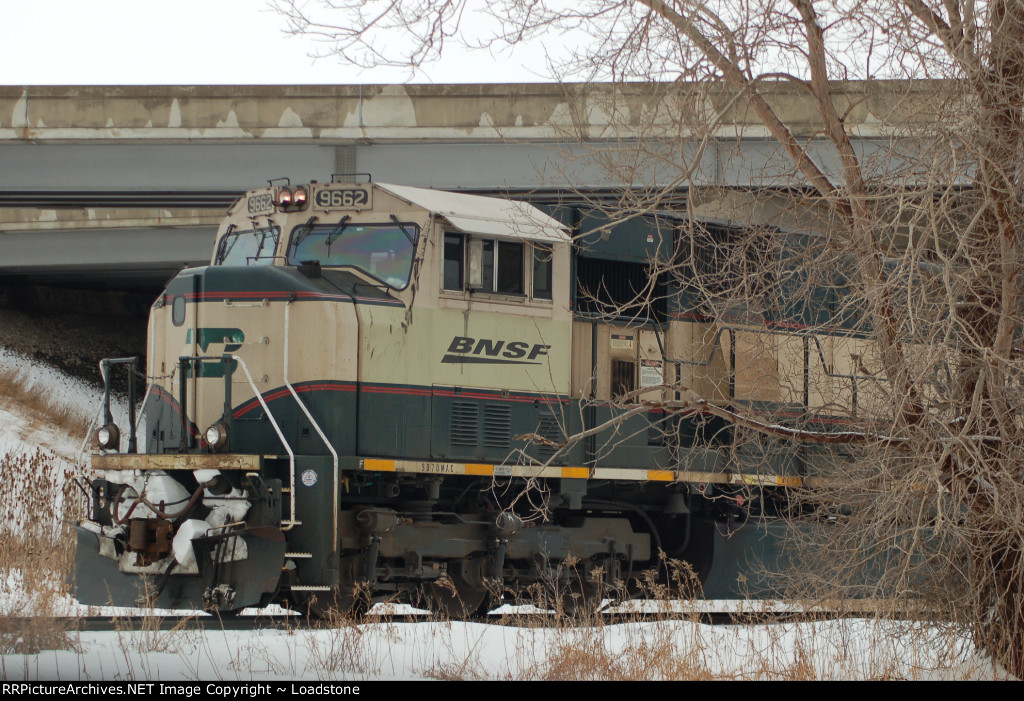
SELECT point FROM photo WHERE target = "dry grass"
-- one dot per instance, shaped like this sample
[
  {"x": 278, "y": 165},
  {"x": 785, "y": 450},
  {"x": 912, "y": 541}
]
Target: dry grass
[
  {"x": 36, "y": 540},
  {"x": 40, "y": 407},
  {"x": 668, "y": 640},
  {"x": 36, "y": 549}
]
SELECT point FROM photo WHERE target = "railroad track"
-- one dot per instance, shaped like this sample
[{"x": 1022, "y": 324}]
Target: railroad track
[{"x": 285, "y": 621}]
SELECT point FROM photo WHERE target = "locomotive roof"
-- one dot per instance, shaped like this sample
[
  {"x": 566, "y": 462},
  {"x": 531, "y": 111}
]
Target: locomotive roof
[{"x": 491, "y": 216}]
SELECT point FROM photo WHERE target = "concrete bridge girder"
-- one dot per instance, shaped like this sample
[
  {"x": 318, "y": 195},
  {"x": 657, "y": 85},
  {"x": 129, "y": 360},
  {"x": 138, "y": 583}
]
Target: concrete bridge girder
[{"x": 137, "y": 177}]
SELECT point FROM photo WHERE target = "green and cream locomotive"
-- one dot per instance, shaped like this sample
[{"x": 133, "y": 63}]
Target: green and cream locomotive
[{"x": 379, "y": 391}]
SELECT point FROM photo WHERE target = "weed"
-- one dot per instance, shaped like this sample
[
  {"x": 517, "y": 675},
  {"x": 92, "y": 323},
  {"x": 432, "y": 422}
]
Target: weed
[
  {"x": 36, "y": 551},
  {"x": 338, "y": 647},
  {"x": 40, "y": 406}
]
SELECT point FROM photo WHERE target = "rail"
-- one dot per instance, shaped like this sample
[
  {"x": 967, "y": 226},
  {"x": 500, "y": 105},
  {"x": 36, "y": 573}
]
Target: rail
[{"x": 185, "y": 363}]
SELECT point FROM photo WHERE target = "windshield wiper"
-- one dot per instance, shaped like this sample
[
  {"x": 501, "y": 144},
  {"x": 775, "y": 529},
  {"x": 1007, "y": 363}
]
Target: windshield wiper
[
  {"x": 263, "y": 235},
  {"x": 301, "y": 232},
  {"x": 338, "y": 230},
  {"x": 226, "y": 247},
  {"x": 412, "y": 239}
]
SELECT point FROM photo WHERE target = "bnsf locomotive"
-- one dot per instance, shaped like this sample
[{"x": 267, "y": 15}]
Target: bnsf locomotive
[{"x": 380, "y": 391}]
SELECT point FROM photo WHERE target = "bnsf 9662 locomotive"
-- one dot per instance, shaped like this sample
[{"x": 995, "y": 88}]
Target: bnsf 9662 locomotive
[{"x": 368, "y": 394}]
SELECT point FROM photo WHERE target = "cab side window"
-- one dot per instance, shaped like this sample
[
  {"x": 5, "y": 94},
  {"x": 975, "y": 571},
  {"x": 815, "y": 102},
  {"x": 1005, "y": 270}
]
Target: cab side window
[
  {"x": 508, "y": 270},
  {"x": 542, "y": 271},
  {"x": 454, "y": 260},
  {"x": 496, "y": 265}
]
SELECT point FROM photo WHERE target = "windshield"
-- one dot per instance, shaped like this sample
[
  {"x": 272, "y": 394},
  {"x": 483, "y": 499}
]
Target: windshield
[
  {"x": 252, "y": 247},
  {"x": 383, "y": 251}
]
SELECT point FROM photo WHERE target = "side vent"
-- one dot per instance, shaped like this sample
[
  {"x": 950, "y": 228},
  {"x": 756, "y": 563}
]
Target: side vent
[
  {"x": 497, "y": 426},
  {"x": 623, "y": 377},
  {"x": 464, "y": 423},
  {"x": 548, "y": 428}
]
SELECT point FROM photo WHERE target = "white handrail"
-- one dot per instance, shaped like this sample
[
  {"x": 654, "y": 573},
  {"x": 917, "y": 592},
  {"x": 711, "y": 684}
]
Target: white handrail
[
  {"x": 142, "y": 409},
  {"x": 323, "y": 437},
  {"x": 291, "y": 455},
  {"x": 138, "y": 419},
  {"x": 149, "y": 384}
]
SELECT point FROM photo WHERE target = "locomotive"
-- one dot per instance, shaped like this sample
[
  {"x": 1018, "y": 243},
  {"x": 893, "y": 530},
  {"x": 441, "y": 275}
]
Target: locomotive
[{"x": 378, "y": 391}]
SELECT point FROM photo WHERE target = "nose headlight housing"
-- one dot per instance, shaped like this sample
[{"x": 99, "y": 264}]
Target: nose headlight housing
[
  {"x": 108, "y": 437},
  {"x": 217, "y": 437},
  {"x": 292, "y": 199}
]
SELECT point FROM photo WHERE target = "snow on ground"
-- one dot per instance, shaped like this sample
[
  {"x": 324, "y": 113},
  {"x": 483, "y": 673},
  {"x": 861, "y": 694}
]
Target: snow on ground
[
  {"x": 844, "y": 649},
  {"x": 847, "y": 649},
  {"x": 20, "y": 434}
]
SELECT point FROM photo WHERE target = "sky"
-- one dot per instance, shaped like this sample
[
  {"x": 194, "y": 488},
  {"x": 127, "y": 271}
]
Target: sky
[{"x": 199, "y": 42}]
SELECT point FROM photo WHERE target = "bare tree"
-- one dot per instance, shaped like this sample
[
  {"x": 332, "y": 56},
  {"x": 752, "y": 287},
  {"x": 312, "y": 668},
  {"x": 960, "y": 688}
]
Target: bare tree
[{"x": 917, "y": 243}]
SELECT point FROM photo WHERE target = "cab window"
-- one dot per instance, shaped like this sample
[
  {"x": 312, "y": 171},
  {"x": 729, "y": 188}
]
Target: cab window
[
  {"x": 252, "y": 247},
  {"x": 542, "y": 256},
  {"x": 505, "y": 267},
  {"x": 453, "y": 261},
  {"x": 383, "y": 251}
]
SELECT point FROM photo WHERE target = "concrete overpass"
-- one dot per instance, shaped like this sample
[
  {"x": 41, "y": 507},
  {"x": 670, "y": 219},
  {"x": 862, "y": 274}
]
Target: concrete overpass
[{"x": 121, "y": 186}]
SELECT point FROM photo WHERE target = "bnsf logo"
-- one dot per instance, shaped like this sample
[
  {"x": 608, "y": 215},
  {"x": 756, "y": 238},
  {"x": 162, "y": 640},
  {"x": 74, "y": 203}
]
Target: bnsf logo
[{"x": 484, "y": 350}]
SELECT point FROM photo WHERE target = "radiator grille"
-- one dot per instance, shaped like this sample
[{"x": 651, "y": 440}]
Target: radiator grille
[
  {"x": 497, "y": 426},
  {"x": 548, "y": 428},
  {"x": 464, "y": 423}
]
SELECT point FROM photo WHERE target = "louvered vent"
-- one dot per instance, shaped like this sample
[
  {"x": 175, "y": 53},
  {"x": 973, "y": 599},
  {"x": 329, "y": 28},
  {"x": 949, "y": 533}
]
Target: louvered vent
[
  {"x": 497, "y": 426},
  {"x": 464, "y": 423},
  {"x": 548, "y": 428}
]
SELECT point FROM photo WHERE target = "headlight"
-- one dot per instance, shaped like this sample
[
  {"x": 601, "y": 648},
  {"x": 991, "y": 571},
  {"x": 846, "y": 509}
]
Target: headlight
[
  {"x": 284, "y": 197},
  {"x": 299, "y": 197},
  {"x": 108, "y": 437},
  {"x": 217, "y": 436}
]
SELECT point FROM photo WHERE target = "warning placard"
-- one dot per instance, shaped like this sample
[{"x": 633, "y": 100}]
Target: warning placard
[
  {"x": 622, "y": 341},
  {"x": 652, "y": 373}
]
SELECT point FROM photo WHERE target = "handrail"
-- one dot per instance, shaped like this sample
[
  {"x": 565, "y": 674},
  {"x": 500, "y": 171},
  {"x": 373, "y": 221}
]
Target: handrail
[
  {"x": 145, "y": 398},
  {"x": 290, "y": 523},
  {"x": 104, "y": 404},
  {"x": 721, "y": 329},
  {"x": 305, "y": 410},
  {"x": 107, "y": 416},
  {"x": 806, "y": 336}
]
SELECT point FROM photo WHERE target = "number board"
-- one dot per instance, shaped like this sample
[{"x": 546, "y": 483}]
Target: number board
[
  {"x": 343, "y": 198},
  {"x": 262, "y": 203}
]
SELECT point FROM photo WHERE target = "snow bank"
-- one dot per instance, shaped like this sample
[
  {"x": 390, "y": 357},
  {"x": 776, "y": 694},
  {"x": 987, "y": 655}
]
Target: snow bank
[{"x": 21, "y": 434}]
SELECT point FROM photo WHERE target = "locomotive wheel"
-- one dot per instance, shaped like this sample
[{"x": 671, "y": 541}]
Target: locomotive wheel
[
  {"x": 463, "y": 593},
  {"x": 350, "y": 597}
]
